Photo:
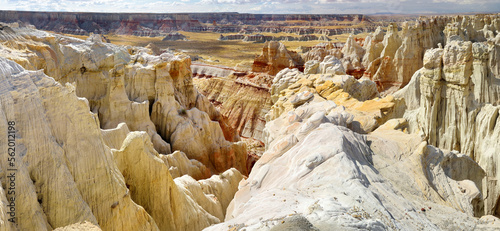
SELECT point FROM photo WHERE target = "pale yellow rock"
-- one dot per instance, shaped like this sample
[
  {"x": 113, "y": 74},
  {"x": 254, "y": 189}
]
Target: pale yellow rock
[
  {"x": 358, "y": 97},
  {"x": 189, "y": 129},
  {"x": 391, "y": 41},
  {"x": 457, "y": 62},
  {"x": 374, "y": 45},
  {"x": 319, "y": 53},
  {"x": 352, "y": 55},
  {"x": 193, "y": 190},
  {"x": 84, "y": 226},
  {"x": 403, "y": 51},
  {"x": 114, "y": 137},
  {"x": 335, "y": 179},
  {"x": 222, "y": 186},
  {"x": 452, "y": 104},
  {"x": 213, "y": 194},
  {"x": 447, "y": 178},
  {"x": 243, "y": 100},
  {"x": 151, "y": 186},
  {"x": 66, "y": 171},
  {"x": 53, "y": 105},
  {"x": 275, "y": 57},
  {"x": 125, "y": 85},
  {"x": 178, "y": 165},
  {"x": 5, "y": 213}
]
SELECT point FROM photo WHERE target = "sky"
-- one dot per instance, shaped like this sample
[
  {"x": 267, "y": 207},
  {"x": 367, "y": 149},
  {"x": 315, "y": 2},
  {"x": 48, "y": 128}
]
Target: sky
[{"x": 259, "y": 6}]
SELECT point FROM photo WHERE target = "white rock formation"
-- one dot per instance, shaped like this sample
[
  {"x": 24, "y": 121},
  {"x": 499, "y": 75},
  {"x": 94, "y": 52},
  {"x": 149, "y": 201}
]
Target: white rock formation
[
  {"x": 75, "y": 157},
  {"x": 94, "y": 141},
  {"x": 452, "y": 102},
  {"x": 149, "y": 93},
  {"x": 352, "y": 55},
  {"x": 319, "y": 171}
]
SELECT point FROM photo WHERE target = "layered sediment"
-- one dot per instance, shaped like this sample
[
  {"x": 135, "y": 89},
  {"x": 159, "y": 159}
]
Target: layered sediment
[
  {"x": 94, "y": 141},
  {"x": 148, "y": 24},
  {"x": 117, "y": 138},
  {"x": 275, "y": 57},
  {"x": 242, "y": 98}
]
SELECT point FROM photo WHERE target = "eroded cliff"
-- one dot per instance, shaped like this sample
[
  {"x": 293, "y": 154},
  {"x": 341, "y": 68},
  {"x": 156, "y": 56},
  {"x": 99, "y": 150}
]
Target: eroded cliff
[
  {"x": 123, "y": 140},
  {"x": 76, "y": 159}
]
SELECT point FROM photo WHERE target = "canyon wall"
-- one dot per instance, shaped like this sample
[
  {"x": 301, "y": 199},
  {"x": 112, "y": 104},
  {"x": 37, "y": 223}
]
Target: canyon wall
[
  {"x": 93, "y": 129},
  {"x": 390, "y": 57},
  {"x": 243, "y": 98},
  {"x": 121, "y": 139},
  {"x": 149, "y": 24},
  {"x": 453, "y": 101},
  {"x": 319, "y": 173},
  {"x": 411, "y": 172}
]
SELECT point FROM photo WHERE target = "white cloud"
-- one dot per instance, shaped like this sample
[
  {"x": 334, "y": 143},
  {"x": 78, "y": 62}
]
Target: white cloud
[{"x": 256, "y": 6}]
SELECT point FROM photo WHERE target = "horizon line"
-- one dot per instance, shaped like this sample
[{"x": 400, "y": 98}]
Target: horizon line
[{"x": 235, "y": 12}]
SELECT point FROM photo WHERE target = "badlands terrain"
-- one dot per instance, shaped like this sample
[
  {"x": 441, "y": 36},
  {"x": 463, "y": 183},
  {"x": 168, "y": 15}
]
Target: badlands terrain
[{"x": 249, "y": 122}]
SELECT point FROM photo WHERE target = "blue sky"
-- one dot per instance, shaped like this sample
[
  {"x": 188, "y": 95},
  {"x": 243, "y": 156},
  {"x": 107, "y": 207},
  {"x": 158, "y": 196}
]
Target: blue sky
[{"x": 257, "y": 6}]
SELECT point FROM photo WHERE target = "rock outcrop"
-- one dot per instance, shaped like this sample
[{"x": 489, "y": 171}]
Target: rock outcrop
[
  {"x": 275, "y": 57},
  {"x": 454, "y": 104},
  {"x": 329, "y": 65},
  {"x": 320, "y": 51},
  {"x": 106, "y": 137},
  {"x": 149, "y": 93},
  {"x": 392, "y": 61},
  {"x": 352, "y": 56},
  {"x": 358, "y": 97},
  {"x": 80, "y": 226},
  {"x": 75, "y": 157},
  {"x": 259, "y": 38},
  {"x": 335, "y": 178},
  {"x": 174, "y": 37},
  {"x": 451, "y": 103},
  {"x": 243, "y": 100}
]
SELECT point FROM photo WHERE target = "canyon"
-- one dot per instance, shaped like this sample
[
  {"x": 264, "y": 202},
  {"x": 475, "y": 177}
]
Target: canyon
[
  {"x": 141, "y": 24},
  {"x": 395, "y": 130}
]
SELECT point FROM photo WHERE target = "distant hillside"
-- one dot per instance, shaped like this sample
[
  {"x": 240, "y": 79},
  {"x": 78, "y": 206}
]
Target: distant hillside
[{"x": 148, "y": 24}]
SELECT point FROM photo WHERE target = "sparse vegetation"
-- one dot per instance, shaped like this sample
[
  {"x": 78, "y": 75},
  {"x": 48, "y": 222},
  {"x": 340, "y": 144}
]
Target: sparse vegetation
[{"x": 182, "y": 111}]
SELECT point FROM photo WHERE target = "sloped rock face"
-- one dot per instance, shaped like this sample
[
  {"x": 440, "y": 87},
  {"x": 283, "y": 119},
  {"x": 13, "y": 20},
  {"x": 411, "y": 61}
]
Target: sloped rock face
[
  {"x": 87, "y": 226},
  {"x": 152, "y": 186},
  {"x": 149, "y": 93},
  {"x": 312, "y": 128},
  {"x": 352, "y": 55},
  {"x": 402, "y": 54},
  {"x": 446, "y": 177},
  {"x": 335, "y": 178},
  {"x": 358, "y": 97},
  {"x": 455, "y": 104},
  {"x": 374, "y": 46},
  {"x": 329, "y": 65},
  {"x": 50, "y": 126},
  {"x": 319, "y": 53},
  {"x": 242, "y": 99},
  {"x": 392, "y": 62},
  {"x": 275, "y": 57},
  {"x": 76, "y": 159},
  {"x": 94, "y": 143}
]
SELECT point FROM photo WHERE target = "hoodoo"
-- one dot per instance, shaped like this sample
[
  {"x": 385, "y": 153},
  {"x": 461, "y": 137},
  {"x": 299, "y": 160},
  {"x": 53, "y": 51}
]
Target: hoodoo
[{"x": 396, "y": 128}]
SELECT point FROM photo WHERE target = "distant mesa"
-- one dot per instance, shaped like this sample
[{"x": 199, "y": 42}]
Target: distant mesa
[
  {"x": 148, "y": 24},
  {"x": 174, "y": 37}
]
